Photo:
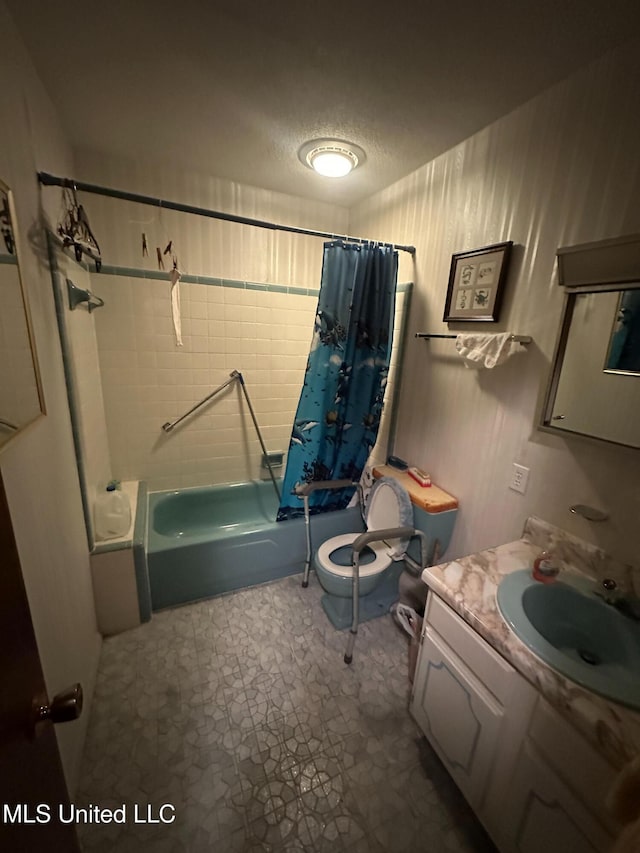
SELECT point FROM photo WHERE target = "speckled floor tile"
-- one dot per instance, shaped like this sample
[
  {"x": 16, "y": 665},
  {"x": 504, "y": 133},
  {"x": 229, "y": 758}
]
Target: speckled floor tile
[{"x": 241, "y": 714}]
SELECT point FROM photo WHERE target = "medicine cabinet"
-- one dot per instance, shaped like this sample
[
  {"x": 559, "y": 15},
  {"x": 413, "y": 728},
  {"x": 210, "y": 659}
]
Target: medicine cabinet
[{"x": 594, "y": 388}]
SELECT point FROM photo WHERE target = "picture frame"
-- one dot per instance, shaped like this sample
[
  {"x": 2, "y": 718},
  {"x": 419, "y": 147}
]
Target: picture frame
[{"x": 476, "y": 284}]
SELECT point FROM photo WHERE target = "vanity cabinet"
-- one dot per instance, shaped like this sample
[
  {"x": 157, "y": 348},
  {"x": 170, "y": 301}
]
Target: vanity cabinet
[
  {"x": 544, "y": 814},
  {"x": 532, "y": 780},
  {"x": 473, "y": 707},
  {"x": 558, "y": 791}
]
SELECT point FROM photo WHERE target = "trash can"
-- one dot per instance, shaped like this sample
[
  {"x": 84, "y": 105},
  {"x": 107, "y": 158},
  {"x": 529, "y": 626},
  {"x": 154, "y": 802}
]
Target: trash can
[{"x": 407, "y": 618}]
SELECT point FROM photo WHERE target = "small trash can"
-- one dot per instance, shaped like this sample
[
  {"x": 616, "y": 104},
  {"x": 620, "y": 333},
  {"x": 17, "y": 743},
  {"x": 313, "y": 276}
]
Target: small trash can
[{"x": 411, "y": 624}]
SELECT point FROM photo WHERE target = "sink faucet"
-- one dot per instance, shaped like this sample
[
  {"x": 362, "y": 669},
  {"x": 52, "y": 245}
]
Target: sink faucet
[{"x": 627, "y": 605}]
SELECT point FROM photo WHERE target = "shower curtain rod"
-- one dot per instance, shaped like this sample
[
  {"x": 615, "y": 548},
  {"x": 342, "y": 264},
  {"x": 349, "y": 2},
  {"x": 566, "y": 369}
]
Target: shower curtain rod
[{"x": 48, "y": 180}]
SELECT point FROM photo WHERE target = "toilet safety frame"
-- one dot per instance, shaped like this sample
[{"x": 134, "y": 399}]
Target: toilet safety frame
[{"x": 303, "y": 491}]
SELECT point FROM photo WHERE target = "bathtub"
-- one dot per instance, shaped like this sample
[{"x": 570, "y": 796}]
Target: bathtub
[{"x": 206, "y": 541}]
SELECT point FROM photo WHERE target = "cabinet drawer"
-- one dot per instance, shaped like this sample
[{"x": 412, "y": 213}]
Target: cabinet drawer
[{"x": 488, "y": 666}]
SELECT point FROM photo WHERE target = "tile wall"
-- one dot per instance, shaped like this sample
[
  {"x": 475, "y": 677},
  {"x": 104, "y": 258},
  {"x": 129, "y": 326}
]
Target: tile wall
[
  {"x": 264, "y": 331},
  {"x": 248, "y": 300}
]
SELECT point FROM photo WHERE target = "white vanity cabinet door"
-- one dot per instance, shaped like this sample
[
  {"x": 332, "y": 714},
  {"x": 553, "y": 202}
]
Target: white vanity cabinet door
[
  {"x": 460, "y": 718},
  {"x": 474, "y": 709},
  {"x": 543, "y": 814}
]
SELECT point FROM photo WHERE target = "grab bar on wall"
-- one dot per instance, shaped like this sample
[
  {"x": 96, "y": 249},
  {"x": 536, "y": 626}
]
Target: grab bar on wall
[
  {"x": 265, "y": 454},
  {"x": 171, "y": 424},
  {"x": 8, "y": 425},
  {"x": 233, "y": 376}
]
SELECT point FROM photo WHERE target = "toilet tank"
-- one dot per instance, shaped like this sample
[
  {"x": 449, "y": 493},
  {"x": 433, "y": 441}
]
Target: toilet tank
[{"x": 434, "y": 513}]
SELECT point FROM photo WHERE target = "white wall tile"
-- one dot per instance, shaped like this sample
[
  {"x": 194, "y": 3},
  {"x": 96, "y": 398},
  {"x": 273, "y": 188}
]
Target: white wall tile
[{"x": 157, "y": 382}]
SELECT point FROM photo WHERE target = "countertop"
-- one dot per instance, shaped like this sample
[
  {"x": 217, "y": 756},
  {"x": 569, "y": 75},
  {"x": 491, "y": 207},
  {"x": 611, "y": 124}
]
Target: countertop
[{"x": 469, "y": 586}]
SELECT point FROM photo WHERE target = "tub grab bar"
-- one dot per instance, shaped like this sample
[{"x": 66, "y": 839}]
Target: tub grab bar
[
  {"x": 265, "y": 454},
  {"x": 171, "y": 424},
  {"x": 234, "y": 376}
]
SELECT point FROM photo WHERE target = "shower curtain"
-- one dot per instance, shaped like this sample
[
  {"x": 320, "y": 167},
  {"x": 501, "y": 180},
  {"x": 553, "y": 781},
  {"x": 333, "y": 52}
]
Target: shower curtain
[{"x": 340, "y": 406}]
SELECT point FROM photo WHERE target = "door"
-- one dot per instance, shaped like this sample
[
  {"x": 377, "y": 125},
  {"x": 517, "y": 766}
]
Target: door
[
  {"x": 459, "y": 716},
  {"x": 543, "y": 814},
  {"x": 30, "y": 769}
]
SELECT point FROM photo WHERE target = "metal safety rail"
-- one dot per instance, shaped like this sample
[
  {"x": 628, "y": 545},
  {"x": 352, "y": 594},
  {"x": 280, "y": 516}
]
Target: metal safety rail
[
  {"x": 303, "y": 491},
  {"x": 361, "y": 541},
  {"x": 358, "y": 546},
  {"x": 234, "y": 376}
]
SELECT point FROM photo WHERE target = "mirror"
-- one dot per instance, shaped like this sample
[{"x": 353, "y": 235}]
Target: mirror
[
  {"x": 21, "y": 398},
  {"x": 623, "y": 355},
  {"x": 594, "y": 388}
]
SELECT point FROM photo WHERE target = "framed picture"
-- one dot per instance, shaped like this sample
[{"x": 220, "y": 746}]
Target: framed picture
[{"x": 476, "y": 282}]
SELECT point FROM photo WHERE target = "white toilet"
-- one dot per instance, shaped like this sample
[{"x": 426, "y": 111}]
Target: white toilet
[{"x": 389, "y": 506}]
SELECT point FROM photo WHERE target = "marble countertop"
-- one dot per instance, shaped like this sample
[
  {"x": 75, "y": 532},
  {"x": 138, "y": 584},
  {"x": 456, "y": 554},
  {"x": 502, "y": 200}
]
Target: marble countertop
[{"x": 469, "y": 586}]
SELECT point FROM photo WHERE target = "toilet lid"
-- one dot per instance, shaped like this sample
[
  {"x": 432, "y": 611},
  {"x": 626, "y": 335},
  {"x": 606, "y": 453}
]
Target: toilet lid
[
  {"x": 390, "y": 506},
  {"x": 379, "y": 564}
]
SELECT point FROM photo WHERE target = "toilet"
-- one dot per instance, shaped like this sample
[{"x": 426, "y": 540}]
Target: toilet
[{"x": 389, "y": 506}]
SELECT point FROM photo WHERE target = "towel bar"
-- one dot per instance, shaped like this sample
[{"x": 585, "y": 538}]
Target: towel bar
[{"x": 518, "y": 339}]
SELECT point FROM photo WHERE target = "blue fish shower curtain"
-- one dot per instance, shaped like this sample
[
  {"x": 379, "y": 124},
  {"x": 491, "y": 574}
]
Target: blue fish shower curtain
[{"x": 338, "y": 416}]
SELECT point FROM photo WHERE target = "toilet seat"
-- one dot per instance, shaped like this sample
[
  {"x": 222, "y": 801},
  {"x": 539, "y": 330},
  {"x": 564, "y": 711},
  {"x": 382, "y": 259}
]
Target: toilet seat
[
  {"x": 381, "y": 562},
  {"x": 389, "y": 506}
]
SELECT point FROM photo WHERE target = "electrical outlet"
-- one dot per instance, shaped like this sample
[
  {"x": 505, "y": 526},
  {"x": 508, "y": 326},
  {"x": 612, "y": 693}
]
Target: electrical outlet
[{"x": 519, "y": 478}]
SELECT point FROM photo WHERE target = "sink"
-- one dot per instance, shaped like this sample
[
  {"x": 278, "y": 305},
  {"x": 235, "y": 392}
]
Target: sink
[{"x": 575, "y": 632}]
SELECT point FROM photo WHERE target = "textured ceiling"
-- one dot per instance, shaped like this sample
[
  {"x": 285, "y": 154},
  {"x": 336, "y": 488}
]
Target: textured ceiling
[{"x": 233, "y": 88}]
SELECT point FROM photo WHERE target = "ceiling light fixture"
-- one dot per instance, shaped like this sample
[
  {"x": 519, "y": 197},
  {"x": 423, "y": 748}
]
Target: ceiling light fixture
[{"x": 332, "y": 158}]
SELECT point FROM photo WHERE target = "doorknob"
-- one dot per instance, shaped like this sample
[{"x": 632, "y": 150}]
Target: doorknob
[{"x": 66, "y": 706}]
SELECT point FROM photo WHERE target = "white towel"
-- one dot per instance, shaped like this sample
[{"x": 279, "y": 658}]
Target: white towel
[
  {"x": 485, "y": 350},
  {"x": 174, "y": 278}
]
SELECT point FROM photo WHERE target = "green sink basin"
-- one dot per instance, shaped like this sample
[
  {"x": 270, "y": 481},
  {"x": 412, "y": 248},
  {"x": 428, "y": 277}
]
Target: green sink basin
[{"x": 576, "y": 633}]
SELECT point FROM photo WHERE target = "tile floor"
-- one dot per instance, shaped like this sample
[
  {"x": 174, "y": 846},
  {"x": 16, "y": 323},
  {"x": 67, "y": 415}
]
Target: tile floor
[{"x": 240, "y": 712}]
